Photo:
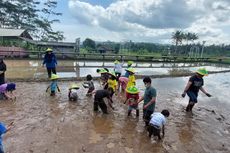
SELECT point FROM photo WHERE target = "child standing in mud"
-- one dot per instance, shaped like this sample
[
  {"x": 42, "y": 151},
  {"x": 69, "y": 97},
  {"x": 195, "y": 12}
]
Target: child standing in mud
[
  {"x": 3, "y": 130},
  {"x": 53, "y": 86},
  {"x": 99, "y": 99},
  {"x": 157, "y": 123},
  {"x": 73, "y": 96},
  {"x": 132, "y": 96},
  {"x": 149, "y": 100},
  {"x": 6, "y": 91},
  {"x": 89, "y": 84},
  {"x": 193, "y": 86}
]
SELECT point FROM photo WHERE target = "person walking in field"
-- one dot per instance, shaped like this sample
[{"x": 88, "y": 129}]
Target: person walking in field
[
  {"x": 50, "y": 61},
  {"x": 194, "y": 85}
]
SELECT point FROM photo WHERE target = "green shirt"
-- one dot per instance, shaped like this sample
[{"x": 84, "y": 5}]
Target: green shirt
[{"x": 150, "y": 92}]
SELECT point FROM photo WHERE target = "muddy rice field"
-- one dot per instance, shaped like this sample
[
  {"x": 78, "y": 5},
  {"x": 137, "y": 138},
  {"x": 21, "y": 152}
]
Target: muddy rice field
[{"x": 44, "y": 124}]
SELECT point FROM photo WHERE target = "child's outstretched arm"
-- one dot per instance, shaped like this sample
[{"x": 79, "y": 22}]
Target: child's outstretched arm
[
  {"x": 7, "y": 96},
  {"x": 58, "y": 89},
  {"x": 205, "y": 92},
  {"x": 110, "y": 103},
  {"x": 9, "y": 126},
  {"x": 47, "y": 88},
  {"x": 140, "y": 99},
  {"x": 126, "y": 100},
  {"x": 69, "y": 93}
]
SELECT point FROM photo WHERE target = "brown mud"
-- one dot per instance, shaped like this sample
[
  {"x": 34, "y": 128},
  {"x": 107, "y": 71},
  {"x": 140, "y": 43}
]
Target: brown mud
[{"x": 44, "y": 124}]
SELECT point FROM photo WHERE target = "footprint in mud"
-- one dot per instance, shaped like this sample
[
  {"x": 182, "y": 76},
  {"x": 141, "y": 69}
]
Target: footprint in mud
[
  {"x": 110, "y": 145},
  {"x": 129, "y": 150},
  {"x": 94, "y": 137}
]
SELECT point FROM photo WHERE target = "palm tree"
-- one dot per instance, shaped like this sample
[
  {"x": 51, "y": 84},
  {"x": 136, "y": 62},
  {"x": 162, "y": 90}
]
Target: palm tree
[
  {"x": 194, "y": 36},
  {"x": 177, "y": 37}
]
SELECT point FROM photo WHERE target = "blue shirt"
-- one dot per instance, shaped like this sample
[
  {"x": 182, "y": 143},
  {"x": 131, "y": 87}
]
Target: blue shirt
[
  {"x": 127, "y": 73},
  {"x": 50, "y": 60},
  {"x": 2, "y": 131},
  {"x": 53, "y": 86}
]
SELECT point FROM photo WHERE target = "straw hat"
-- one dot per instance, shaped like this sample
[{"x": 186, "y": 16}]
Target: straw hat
[
  {"x": 132, "y": 70},
  {"x": 132, "y": 90},
  {"x": 54, "y": 76},
  {"x": 74, "y": 86},
  {"x": 202, "y": 71},
  {"x": 49, "y": 50}
]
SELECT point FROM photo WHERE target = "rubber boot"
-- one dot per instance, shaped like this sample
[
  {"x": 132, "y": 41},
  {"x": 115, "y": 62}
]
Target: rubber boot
[
  {"x": 191, "y": 106},
  {"x": 129, "y": 112},
  {"x": 188, "y": 108},
  {"x": 137, "y": 113}
]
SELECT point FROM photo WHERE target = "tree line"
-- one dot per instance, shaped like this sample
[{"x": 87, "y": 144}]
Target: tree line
[
  {"x": 33, "y": 15},
  {"x": 182, "y": 44}
]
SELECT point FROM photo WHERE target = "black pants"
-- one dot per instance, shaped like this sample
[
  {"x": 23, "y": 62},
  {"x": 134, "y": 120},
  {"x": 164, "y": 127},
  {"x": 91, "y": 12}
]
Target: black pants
[
  {"x": 147, "y": 116},
  {"x": 101, "y": 104},
  {"x": 154, "y": 130},
  {"x": 52, "y": 93},
  {"x": 2, "y": 79},
  {"x": 117, "y": 75},
  {"x": 49, "y": 70}
]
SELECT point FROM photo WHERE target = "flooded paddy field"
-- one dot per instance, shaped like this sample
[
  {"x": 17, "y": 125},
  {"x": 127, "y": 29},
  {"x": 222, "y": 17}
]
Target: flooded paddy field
[
  {"x": 68, "y": 69},
  {"x": 44, "y": 124}
]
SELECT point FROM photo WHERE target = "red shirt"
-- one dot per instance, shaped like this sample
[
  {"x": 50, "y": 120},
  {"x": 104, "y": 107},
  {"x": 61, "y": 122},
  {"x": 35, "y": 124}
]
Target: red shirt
[{"x": 132, "y": 98}]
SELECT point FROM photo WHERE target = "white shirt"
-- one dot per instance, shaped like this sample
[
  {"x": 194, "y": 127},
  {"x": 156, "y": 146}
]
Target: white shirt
[
  {"x": 158, "y": 119},
  {"x": 118, "y": 68},
  {"x": 73, "y": 93}
]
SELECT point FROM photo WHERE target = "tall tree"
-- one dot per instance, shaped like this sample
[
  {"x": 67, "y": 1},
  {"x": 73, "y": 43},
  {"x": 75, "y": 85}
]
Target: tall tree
[
  {"x": 177, "y": 37},
  {"x": 89, "y": 43},
  {"x": 26, "y": 14}
]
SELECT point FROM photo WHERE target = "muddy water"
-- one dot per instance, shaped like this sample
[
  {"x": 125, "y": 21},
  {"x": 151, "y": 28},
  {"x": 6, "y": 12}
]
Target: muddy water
[
  {"x": 66, "y": 69},
  {"x": 45, "y": 124}
]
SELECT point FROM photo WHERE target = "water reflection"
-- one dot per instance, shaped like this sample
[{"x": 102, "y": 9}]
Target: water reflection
[{"x": 67, "y": 69}]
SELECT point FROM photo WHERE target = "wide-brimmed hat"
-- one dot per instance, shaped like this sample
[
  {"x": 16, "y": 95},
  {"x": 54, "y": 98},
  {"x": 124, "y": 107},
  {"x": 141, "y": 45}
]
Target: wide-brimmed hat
[
  {"x": 74, "y": 86},
  {"x": 202, "y": 71},
  {"x": 116, "y": 62},
  {"x": 132, "y": 70},
  {"x": 49, "y": 50},
  {"x": 102, "y": 71},
  {"x": 11, "y": 86},
  {"x": 132, "y": 90},
  {"x": 130, "y": 62},
  {"x": 54, "y": 76},
  {"x": 112, "y": 73}
]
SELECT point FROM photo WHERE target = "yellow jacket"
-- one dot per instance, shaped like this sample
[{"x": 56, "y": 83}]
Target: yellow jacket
[
  {"x": 131, "y": 82},
  {"x": 112, "y": 84}
]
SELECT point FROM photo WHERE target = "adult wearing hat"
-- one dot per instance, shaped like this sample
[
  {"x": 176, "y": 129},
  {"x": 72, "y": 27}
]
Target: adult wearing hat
[
  {"x": 2, "y": 71},
  {"x": 193, "y": 86},
  {"x": 50, "y": 61}
]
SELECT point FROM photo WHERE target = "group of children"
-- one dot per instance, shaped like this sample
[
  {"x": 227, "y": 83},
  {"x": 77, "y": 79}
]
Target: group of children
[{"x": 111, "y": 82}]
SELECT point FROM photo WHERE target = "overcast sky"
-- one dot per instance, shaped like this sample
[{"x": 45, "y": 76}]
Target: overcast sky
[{"x": 144, "y": 20}]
